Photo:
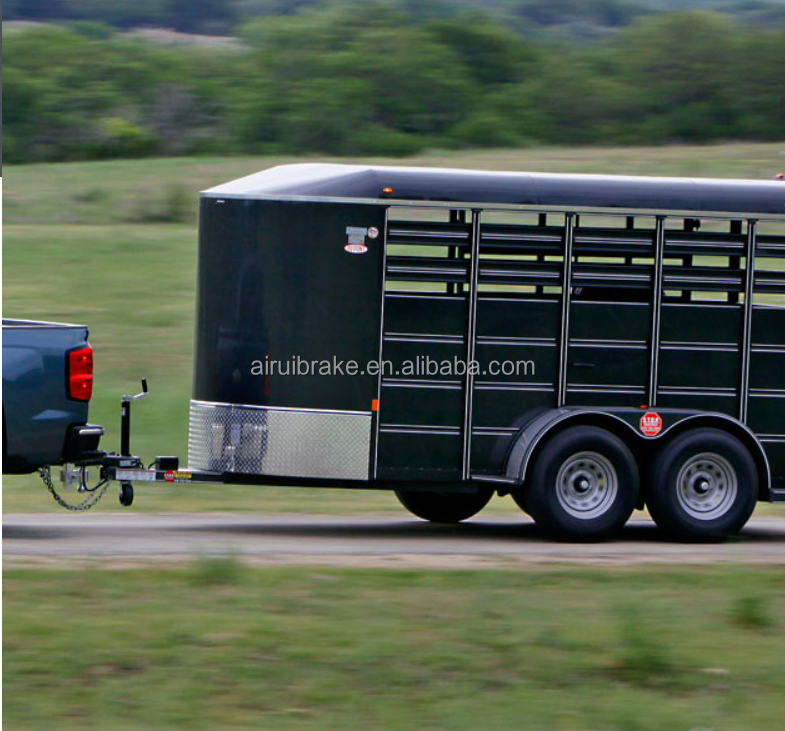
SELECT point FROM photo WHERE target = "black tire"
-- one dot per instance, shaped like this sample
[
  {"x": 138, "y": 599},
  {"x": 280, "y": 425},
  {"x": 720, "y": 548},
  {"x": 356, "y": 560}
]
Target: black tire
[
  {"x": 126, "y": 494},
  {"x": 443, "y": 507},
  {"x": 703, "y": 486},
  {"x": 583, "y": 484}
]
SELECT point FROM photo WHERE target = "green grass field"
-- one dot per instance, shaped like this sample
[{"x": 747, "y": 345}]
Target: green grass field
[
  {"x": 220, "y": 645},
  {"x": 113, "y": 245}
]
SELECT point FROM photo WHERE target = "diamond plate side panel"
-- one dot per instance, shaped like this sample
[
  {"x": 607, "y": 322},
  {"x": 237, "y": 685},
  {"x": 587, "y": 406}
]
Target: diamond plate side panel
[{"x": 288, "y": 443}]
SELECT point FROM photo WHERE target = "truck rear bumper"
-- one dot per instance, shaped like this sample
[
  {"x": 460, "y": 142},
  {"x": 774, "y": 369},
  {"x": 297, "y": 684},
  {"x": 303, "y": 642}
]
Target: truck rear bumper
[{"x": 81, "y": 443}]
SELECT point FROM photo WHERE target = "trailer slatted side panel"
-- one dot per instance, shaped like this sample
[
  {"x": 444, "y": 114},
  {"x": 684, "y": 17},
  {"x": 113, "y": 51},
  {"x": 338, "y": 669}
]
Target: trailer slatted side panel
[
  {"x": 421, "y": 410},
  {"x": 580, "y": 350},
  {"x": 611, "y": 312},
  {"x": 521, "y": 269},
  {"x": 704, "y": 277},
  {"x": 589, "y": 310}
]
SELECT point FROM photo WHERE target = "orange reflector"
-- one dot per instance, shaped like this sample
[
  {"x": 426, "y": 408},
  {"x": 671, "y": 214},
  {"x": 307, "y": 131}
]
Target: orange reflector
[
  {"x": 375, "y": 405},
  {"x": 387, "y": 191}
]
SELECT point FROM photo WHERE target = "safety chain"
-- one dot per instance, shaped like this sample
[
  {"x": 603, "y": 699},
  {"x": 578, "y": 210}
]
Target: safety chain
[{"x": 94, "y": 494}]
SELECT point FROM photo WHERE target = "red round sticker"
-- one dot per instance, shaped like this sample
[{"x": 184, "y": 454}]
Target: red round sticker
[
  {"x": 651, "y": 423},
  {"x": 169, "y": 476}
]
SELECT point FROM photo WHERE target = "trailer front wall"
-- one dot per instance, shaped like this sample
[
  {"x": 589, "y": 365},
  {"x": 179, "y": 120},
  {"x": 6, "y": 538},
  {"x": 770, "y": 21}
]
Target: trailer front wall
[{"x": 282, "y": 307}]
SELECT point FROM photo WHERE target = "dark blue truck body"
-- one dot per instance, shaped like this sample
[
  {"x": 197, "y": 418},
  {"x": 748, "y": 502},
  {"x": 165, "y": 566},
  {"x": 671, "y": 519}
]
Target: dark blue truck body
[{"x": 42, "y": 424}]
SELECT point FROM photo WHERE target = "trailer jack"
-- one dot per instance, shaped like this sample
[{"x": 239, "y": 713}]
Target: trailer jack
[
  {"x": 126, "y": 489},
  {"x": 126, "y": 468}
]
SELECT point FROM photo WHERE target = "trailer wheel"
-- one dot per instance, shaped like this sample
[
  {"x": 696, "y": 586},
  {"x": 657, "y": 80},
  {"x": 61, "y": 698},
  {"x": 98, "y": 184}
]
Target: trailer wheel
[
  {"x": 704, "y": 485},
  {"x": 583, "y": 485},
  {"x": 443, "y": 507}
]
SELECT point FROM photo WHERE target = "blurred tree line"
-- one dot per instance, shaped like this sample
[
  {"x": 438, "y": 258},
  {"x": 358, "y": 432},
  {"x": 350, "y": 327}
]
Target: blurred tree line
[
  {"x": 371, "y": 79},
  {"x": 571, "y": 19}
]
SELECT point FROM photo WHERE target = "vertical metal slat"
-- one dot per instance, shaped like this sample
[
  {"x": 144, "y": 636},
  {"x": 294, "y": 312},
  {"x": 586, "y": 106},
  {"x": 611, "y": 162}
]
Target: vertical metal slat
[
  {"x": 471, "y": 337},
  {"x": 569, "y": 232},
  {"x": 656, "y": 310},
  {"x": 746, "y": 343}
]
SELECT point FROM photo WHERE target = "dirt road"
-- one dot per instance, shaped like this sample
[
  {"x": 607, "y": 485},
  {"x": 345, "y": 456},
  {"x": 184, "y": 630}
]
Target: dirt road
[{"x": 137, "y": 539}]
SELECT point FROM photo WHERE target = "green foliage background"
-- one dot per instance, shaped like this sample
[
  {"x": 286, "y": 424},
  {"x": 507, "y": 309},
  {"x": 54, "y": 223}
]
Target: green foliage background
[{"x": 373, "y": 78}]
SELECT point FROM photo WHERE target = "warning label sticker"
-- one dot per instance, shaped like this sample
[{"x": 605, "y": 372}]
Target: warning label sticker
[
  {"x": 177, "y": 476},
  {"x": 651, "y": 423},
  {"x": 356, "y": 240}
]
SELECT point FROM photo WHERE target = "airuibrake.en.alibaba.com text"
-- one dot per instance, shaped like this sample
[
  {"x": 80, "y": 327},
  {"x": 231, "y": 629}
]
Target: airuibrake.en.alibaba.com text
[{"x": 419, "y": 367}]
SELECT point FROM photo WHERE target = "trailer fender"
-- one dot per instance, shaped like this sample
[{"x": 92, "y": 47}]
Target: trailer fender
[{"x": 630, "y": 425}]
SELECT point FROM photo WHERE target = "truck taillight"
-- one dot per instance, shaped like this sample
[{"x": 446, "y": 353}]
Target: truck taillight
[{"x": 80, "y": 374}]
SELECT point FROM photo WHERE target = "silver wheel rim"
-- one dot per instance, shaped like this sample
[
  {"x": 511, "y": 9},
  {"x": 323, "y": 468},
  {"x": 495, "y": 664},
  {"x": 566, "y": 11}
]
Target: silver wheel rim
[
  {"x": 586, "y": 485},
  {"x": 706, "y": 486}
]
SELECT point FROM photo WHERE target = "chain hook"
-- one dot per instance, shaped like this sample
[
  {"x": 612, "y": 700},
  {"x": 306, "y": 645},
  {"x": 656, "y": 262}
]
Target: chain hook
[{"x": 94, "y": 494}]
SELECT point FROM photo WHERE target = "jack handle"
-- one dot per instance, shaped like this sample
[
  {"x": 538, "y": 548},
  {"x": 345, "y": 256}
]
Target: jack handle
[{"x": 144, "y": 392}]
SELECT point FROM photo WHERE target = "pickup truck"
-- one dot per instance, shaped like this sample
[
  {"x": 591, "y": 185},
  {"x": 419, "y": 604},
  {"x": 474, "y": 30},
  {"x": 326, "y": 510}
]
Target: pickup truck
[{"x": 47, "y": 385}]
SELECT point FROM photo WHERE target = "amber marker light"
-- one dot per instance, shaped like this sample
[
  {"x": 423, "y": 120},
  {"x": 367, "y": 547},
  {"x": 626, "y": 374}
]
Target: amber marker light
[{"x": 387, "y": 191}]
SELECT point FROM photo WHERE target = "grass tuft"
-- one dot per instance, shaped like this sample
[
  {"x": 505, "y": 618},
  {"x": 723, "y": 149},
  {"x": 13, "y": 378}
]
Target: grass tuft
[
  {"x": 644, "y": 659},
  {"x": 93, "y": 194},
  {"x": 175, "y": 204},
  {"x": 217, "y": 571},
  {"x": 751, "y": 611}
]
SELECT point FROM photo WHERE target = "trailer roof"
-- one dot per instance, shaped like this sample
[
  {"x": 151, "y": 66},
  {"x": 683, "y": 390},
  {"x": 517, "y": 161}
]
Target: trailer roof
[{"x": 322, "y": 181}]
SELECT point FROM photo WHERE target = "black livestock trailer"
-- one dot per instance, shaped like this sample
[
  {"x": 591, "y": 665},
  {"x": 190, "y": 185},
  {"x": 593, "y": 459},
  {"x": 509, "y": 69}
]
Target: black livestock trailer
[{"x": 586, "y": 343}]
